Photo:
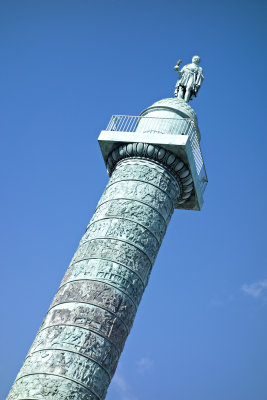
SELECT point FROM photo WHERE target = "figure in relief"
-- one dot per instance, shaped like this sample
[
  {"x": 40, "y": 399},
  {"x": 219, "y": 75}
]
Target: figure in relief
[{"x": 191, "y": 78}]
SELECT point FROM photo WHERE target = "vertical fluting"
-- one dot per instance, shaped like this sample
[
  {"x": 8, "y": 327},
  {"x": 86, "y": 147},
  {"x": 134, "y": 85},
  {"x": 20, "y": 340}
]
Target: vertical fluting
[{"x": 77, "y": 348}]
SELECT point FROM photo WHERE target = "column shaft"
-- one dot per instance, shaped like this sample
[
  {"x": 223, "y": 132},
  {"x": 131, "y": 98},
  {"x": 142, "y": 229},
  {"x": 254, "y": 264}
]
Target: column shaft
[{"x": 77, "y": 348}]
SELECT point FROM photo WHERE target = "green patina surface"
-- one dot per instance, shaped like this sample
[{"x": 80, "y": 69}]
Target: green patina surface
[{"x": 77, "y": 348}]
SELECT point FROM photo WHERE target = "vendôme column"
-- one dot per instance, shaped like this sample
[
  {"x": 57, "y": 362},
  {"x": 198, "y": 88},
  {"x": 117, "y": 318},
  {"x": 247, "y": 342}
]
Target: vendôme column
[{"x": 77, "y": 348}]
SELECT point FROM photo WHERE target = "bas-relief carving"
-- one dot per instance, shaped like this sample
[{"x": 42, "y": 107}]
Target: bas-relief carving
[
  {"x": 136, "y": 190},
  {"x": 78, "y": 340},
  {"x": 117, "y": 251},
  {"x": 172, "y": 165},
  {"x": 99, "y": 294},
  {"x": 137, "y": 212},
  {"x": 88, "y": 317},
  {"x": 139, "y": 170},
  {"x": 69, "y": 365},
  {"x": 106, "y": 271},
  {"x": 124, "y": 230},
  {"x": 49, "y": 387}
]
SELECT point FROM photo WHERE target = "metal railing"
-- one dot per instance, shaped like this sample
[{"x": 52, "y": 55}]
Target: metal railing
[{"x": 171, "y": 126}]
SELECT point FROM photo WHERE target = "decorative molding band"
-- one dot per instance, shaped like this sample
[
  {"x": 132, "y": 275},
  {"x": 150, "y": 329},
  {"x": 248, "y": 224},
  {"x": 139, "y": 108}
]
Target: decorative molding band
[{"x": 159, "y": 155}]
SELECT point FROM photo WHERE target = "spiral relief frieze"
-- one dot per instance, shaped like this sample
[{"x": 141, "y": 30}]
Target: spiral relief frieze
[
  {"x": 78, "y": 345},
  {"x": 159, "y": 155}
]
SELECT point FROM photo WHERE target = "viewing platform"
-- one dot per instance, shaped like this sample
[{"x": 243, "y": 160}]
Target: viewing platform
[{"x": 179, "y": 135}]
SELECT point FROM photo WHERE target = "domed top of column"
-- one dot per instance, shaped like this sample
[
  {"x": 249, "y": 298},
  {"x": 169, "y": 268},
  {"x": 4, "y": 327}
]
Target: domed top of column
[
  {"x": 171, "y": 108},
  {"x": 177, "y": 105}
]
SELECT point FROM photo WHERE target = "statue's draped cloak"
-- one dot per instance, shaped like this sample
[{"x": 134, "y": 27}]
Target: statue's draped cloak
[{"x": 191, "y": 75}]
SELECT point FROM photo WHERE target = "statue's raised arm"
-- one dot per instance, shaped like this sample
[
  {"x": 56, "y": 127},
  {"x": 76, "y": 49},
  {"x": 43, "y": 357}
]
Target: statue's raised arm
[{"x": 190, "y": 81}]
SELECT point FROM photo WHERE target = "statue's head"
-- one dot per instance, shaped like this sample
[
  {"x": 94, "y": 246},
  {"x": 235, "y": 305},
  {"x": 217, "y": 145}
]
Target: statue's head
[{"x": 196, "y": 60}]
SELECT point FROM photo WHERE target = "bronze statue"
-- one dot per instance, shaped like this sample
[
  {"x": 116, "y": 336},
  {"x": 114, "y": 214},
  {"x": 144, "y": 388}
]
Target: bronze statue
[{"x": 190, "y": 81}]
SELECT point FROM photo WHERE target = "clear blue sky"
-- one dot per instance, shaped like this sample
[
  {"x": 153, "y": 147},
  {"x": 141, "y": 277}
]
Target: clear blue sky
[{"x": 66, "y": 67}]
